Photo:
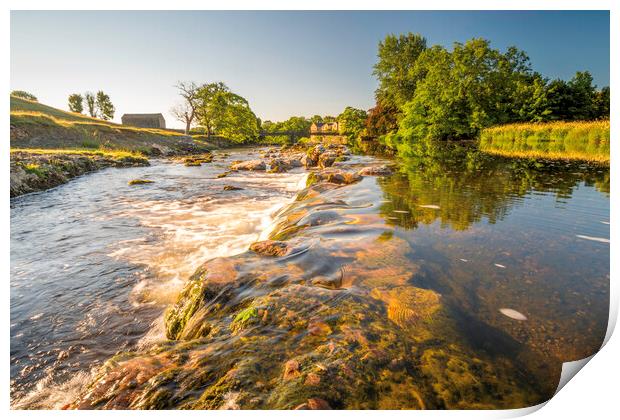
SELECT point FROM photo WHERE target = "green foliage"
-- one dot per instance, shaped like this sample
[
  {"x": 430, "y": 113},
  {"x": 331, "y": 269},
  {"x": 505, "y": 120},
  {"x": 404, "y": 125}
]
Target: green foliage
[
  {"x": 24, "y": 95},
  {"x": 351, "y": 122},
  {"x": 299, "y": 126},
  {"x": 434, "y": 93},
  {"x": 225, "y": 113},
  {"x": 104, "y": 106},
  {"x": 395, "y": 68},
  {"x": 91, "y": 104},
  {"x": 245, "y": 315},
  {"x": 76, "y": 103}
]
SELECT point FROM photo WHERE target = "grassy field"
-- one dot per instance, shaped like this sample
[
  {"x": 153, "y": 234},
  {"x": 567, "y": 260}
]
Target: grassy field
[
  {"x": 38, "y": 126},
  {"x": 578, "y": 140},
  {"x": 114, "y": 154}
]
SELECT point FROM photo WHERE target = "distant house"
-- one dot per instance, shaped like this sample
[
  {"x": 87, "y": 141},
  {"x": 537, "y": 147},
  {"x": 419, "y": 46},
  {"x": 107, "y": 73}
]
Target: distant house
[
  {"x": 144, "y": 120},
  {"x": 324, "y": 127}
]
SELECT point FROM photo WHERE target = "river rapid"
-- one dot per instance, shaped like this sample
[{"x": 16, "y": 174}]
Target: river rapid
[
  {"x": 462, "y": 280},
  {"x": 94, "y": 262}
]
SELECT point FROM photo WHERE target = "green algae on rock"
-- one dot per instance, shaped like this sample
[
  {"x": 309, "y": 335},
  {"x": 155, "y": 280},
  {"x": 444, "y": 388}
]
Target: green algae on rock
[{"x": 140, "y": 181}]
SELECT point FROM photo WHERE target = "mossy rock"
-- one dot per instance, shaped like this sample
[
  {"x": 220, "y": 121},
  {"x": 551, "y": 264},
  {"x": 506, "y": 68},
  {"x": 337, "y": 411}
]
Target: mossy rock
[{"x": 140, "y": 181}]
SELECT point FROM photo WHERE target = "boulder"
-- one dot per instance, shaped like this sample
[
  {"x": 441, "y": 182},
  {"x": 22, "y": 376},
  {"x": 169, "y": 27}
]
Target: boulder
[
  {"x": 249, "y": 165},
  {"x": 278, "y": 166},
  {"x": 327, "y": 159}
]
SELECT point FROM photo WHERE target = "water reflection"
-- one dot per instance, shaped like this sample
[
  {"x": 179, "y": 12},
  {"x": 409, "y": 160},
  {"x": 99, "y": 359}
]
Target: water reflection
[
  {"x": 509, "y": 240},
  {"x": 459, "y": 186}
]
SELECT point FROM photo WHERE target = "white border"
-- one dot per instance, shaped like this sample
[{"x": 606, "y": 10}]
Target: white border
[{"x": 592, "y": 395}]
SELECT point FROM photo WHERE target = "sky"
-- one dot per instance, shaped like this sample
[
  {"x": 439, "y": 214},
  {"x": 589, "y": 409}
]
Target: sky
[{"x": 284, "y": 63}]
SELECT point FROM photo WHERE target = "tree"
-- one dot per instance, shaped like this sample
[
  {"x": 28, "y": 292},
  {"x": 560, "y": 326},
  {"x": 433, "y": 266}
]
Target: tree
[
  {"x": 468, "y": 89},
  {"x": 395, "y": 67},
  {"x": 602, "y": 103},
  {"x": 207, "y": 102},
  {"x": 24, "y": 95},
  {"x": 76, "y": 103},
  {"x": 382, "y": 119},
  {"x": 573, "y": 100},
  {"x": 316, "y": 119},
  {"x": 104, "y": 106},
  {"x": 225, "y": 113},
  {"x": 90, "y": 104},
  {"x": 583, "y": 94},
  {"x": 351, "y": 122},
  {"x": 186, "y": 111}
]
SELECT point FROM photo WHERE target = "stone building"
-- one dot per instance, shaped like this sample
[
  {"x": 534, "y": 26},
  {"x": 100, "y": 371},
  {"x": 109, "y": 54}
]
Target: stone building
[
  {"x": 324, "y": 127},
  {"x": 144, "y": 120}
]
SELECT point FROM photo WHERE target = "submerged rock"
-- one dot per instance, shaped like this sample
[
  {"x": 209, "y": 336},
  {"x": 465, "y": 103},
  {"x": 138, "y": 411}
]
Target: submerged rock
[
  {"x": 381, "y": 170},
  {"x": 231, "y": 188},
  {"x": 270, "y": 248},
  {"x": 334, "y": 176}
]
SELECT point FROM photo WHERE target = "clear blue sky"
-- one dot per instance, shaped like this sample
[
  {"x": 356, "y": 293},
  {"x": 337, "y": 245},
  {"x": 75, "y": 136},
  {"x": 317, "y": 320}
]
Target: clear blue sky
[{"x": 284, "y": 63}]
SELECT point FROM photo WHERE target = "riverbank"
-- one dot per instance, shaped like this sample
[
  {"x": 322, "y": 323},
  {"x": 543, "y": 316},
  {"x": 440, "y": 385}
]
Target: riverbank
[
  {"x": 41, "y": 169},
  {"x": 38, "y": 126},
  {"x": 578, "y": 140}
]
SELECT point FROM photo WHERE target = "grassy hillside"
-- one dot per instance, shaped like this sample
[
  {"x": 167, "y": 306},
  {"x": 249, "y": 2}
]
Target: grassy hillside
[
  {"x": 577, "y": 140},
  {"x": 35, "y": 125}
]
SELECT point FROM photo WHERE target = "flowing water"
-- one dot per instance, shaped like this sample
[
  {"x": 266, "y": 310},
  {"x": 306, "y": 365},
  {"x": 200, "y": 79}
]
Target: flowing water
[
  {"x": 94, "y": 262},
  {"x": 518, "y": 251}
]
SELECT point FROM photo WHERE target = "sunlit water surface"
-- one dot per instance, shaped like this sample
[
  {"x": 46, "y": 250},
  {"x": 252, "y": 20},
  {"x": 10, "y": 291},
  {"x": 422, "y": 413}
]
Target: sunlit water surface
[
  {"x": 95, "y": 261},
  {"x": 514, "y": 246}
]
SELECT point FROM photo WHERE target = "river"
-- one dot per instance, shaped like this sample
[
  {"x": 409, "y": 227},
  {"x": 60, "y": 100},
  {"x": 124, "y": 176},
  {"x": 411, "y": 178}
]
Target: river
[{"x": 518, "y": 250}]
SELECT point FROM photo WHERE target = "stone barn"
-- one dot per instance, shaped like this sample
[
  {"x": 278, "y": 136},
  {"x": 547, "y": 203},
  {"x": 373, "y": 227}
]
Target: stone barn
[{"x": 144, "y": 120}]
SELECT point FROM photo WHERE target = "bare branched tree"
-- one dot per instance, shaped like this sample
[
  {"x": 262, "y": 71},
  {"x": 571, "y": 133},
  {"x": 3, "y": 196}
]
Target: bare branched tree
[{"x": 186, "y": 112}]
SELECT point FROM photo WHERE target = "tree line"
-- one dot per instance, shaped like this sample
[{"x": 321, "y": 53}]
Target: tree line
[
  {"x": 98, "y": 105},
  {"x": 435, "y": 93}
]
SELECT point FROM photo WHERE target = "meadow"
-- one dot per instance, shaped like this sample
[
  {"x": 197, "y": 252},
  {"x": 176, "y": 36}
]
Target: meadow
[{"x": 38, "y": 126}]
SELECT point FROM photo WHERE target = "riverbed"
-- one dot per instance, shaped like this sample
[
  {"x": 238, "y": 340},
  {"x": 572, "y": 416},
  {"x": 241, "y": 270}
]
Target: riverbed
[{"x": 517, "y": 251}]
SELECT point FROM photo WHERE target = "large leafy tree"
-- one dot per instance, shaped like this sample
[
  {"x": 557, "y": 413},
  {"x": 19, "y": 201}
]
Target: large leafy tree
[
  {"x": 467, "y": 89},
  {"x": 394, "y": 70},
  {"x": 207, "y": 101},
  {"x": 105, "y": 107},
  {"x": 225, "y": 113},
  {"x": 76, "y": 103},
  {"x": 351, "y": 122}
]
